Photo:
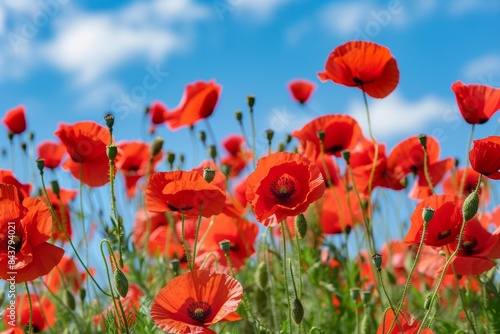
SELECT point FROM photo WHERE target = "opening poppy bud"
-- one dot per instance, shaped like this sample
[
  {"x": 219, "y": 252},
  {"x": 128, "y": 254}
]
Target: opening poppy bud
[
  {"x": 209, "y": 174},
  {"x": 321, "y": 135},
  {"x": 55, "y": 187},
  {"x": 281, "y": 147},
  {"x": 175, "y": 264},
  {"x": 31, "y": 136},
  {"x": 225, "y": 245},
  {"x": 261, "y": 276},
  {"x": 203, "y": 137},
  {"x": 83, "y": 294},
  {"x": 40, "y": 164},
  {"x": 301, "y": 225},
  {"x": 377, "y": 261},
  {"x": 111, "y": 151},
  {"x": 156, "y": 146},
  {"x": 354, "y": 292},
  {"x": 366, "y": 296},
  {"x": 346, "y": 154},
  {"x": 23, "y": 146},
  {"x": 423, "y": 140},
  {"x": 427, "y": 214},
  {"x": 69, "y": 300},
  {"x": 471, "y": 205},
  {"x": 121, "y": 282},
  {"x": 269, "y": 135},
  {"x": 250, "y": 101},
  {"x": 297, "y": 311},
  {"x": 10, "y": 135},
  {"x": 239, "y": 115},
  {"x": 110, "y": 121},
  {"x": 212, "y": 151}
]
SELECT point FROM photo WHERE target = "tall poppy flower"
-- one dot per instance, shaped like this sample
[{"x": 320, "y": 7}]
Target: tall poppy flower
[
  {"x": 444, "y": 226},
  {"x": 238, "y": 155},
  {"x": 157, "y": 112},
  {"x": 342, "y": 132},
  {"x": 241, "y": 235},
  {"x": 477, "y": 103},
  {"x": 283, "y": 184},
  {"x": 24, "y": 230},
  {"x": 485, "y": 157},
  {"x": 134, "y": 163},
  {"x": 51, "y": 152},
  {"x": 366, "y": 65},
  {"x": 43, "y": 317},
  {"x": 451, "y": 184},
  {"x": 407, "y": 324},
  {"x": 187, "y": 192},
  {"x": 301, "y": 90},
  {"x": 340, "y": 210},
  {"x": 15, "y": 120},
  {"x": 192, "y": 302},
  {"x": 198, "y": 102},
  {"x": 86, "y": 145},
  {"x": 23, "y": 189}
]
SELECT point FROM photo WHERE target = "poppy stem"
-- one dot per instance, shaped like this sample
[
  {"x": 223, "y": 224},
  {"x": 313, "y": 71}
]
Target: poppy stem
[
  {"x": 464, "y": 174},
  {"x": 30, "y": 323},
  {"x": 426, "y": 169},
  {"x": 285, "y": 277},
  {"x": 186, "y": 249},
  {"x": 196, "y": 237},
  {"x": 114, "y": 215},
  {"x": 254, "y": 139}
]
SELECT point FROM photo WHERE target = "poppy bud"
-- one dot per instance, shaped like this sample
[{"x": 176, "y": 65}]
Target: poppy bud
[
  {"x": 212, "y": 151},
  {"x": 69, "y": 300},
  {"x": 110, "y": 121},
  {"x": 297, "y": 311},
  {"x": 260, "y": 300},
  {"x": 269, "y": 135},
  {"x": 346, "y": 154},
  {"x": 203, "y": 137},
  {"x": 175, "y": 264},
  {"x": 250, "y": 101},
  {"x": 301, "y": 225},
  {"x": 40, "y": 164},
  {"x": 156, "y": 146},
  {"x": 239, "y": 115},
  {"x": 10, "y": 135},
  {"x": 471, "y": 205},
  {"x": 427, "y": 301},
  {"x": 121, "y": 282},
  {"x": 225, "y": 245},
  {"x": 83, "y": 294},
  {"x": 281, "y": 147},
  {"x": 146, "y": 110},
  {"x": 55, "y": 187},
  {"x": 23, "y": 146},
  {"x": 423, "y": 140},
  {"x": 170, "y": 158},
  {"x": 354, "y": 292},
  {"x": 288, "y": 138},
  {"x": 31, "y": 136},
  {"x": 226, "y": 169},
  {"x": 377, "y": 261},
  {"x": 427, "y": 214},
  {"x": 442, "y": 253},
  {"x": 111, "y": 151},
  {"x": 366, "y": 296},
  {"x": 321, "y": 135},
  {"x": 181, "y": 158},
  {"x": 261, "y": 276},
  {"x": 209, "y": 174}
]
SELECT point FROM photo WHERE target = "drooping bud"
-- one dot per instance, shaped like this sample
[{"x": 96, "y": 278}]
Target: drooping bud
[
  {"x": 261, "y": 276},
  {"x": 209, "y": 174},
  {"x": 471, "y": 205},
  {"x": 300, "y": 225},
  {"x": 121, "y": 282},
  {"x": 297, "y": 311}
]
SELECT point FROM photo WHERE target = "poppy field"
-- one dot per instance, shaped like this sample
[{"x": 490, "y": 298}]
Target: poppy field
[{"x": 294, "y": 238}]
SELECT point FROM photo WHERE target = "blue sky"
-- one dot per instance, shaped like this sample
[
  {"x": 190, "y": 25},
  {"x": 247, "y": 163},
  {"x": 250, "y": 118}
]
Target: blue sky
[{"x": 68, "y": 61}]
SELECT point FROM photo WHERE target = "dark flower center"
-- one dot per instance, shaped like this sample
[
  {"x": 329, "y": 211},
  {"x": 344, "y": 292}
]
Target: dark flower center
[
  {"x": 283, "y": 188},
  {"x": 443, "y": 234},
  {"x": 334, "y": 149},
  {"x": 173, "y": 208},
  {"x": 469, "y": 245},
  {"x": 199, "y": 311}
]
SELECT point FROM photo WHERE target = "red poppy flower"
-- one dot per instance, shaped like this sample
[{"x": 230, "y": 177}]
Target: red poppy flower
[
  {"x": 44, "y": 313},
  {"x": 301, "y": 90},
  {"x": 485, "y": 157},
  {"x": 51, "y": 152},
  {"x": 86, "y": 144},
  {"x": 193, "y": 301},
  {"x": 241, "y": 235},
  {"x": 408, "y": 324},
  {"x": 162, "y": 240},
  {"x": 408, "y": 156},
  {"x": 198, "y": 102},
  {"x": 15, "y": 120},
  {"x": 25, "y": 229},
  {"x": 184, "y": 191},
  {"x": 477, "y": 103},
  {"x": 342, "y": 132},
  {"x": 283, "y": 184},
  {"x": 238, "y": 156},
  {"x": 134, "y": 163},
  {"x": 157, "y": 112},
  {"x": 219, "y": 178},
  {"x": 65, "y": 275},
  {"x": 340, "y": 210},
  {"x": 445, "y": 225},
  {"x": 144, "y": 224},
  {"x": 23, "y": 189},
  {"x": 62, "y": 210},
  {"x": 451, "y": 184},
  {"x": 421, "y": 188},
  {"x": 365, "y": 65}
]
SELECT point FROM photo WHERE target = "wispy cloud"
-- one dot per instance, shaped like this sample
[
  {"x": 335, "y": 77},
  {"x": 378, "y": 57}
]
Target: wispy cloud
[
  {"x": 262, "y": 10},
  {"x": 484, "y": 69},
  {"x": 461, "y": 7}
]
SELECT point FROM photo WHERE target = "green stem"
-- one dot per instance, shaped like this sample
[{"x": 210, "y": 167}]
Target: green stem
[
  {"x": 196, "y": 237},
  {"x": 426, "y": 170},
  {"x": 114, "y": 214},
  {"x": 285, "y": 277},
  {"x": 30, "y": 323},
  {"x": 254, "y": 139},
  {"x": 186, "y": 249}
]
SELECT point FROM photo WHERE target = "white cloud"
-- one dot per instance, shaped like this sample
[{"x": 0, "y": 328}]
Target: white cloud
[
  {"x": 460, "y": 7},
  {"x": 259, "y": 9},
  {"x": 343, "y": 18},
  {"x": 394, "y": 115},
  {"x": 484, "y": 70},
  {"x": 90, "y": 45}
]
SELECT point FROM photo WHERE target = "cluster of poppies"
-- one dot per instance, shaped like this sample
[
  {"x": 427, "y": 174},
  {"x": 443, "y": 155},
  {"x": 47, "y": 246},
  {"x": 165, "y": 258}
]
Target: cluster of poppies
[{"x": 201, "y": 220}]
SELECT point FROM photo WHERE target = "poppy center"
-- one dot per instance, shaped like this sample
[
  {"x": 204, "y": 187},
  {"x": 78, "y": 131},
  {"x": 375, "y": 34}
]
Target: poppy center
[
  {"x": 443, "y": 234},
  {"x": 469, "y": 245},
  {"x": 199, "y": 311},
  {"x": 173, "y": 208},
  {"x": 283, "y": 188}
]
